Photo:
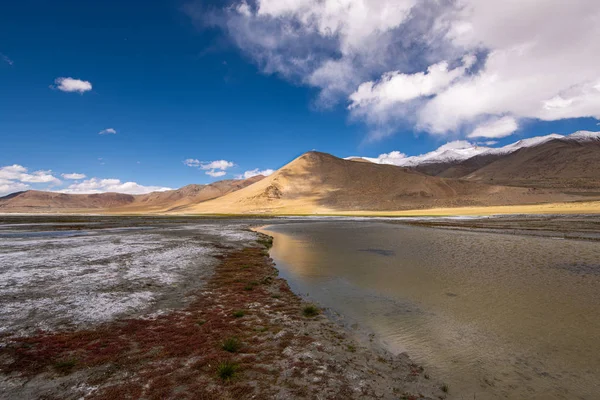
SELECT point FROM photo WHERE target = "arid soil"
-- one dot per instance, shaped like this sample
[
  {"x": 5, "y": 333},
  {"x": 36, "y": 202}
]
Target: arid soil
[
  {"x": 245, "y": 335},
  {"x": 319, "y": 183}
]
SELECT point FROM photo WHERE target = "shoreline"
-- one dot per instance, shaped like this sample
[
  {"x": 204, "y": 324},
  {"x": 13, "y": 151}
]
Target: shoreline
[{"x": 276, "y": 348}]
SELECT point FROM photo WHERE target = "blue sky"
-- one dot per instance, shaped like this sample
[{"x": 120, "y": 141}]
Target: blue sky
[{"x": 220, "y": 81}]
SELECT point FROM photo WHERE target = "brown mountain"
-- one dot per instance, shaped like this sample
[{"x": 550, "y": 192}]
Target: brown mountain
[
  {"x": 560, "y": 163},
  {"x": 318, "y": 182},
  {"x": 34, "y": 201}
]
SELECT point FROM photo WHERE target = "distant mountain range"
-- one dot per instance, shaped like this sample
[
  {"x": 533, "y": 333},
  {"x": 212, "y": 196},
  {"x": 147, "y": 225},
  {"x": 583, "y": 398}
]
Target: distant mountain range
[
  {"x": 170, "y": 200},
  {"x": 545, "y": 169}
]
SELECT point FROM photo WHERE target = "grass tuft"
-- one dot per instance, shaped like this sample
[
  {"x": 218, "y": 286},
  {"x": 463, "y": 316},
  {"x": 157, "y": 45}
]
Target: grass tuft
[
  {"x": 310, "y": 311},
  {"x": 227, "y": 370},
  {"x": 266, "y": 241},
  {"x": 239, "y": 313},
  {"x": 231, "y": 345},
  {"x": 444, "y": 388}
]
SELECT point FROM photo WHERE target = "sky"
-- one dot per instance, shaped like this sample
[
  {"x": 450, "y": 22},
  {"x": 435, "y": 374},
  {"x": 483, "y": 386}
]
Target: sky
[{"x": 141, "y": 96}]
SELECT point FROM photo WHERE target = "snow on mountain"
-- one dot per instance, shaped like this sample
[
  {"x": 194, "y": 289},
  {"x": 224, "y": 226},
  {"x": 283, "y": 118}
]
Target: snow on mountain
[
  {"x": 461, "y": 150},
  {"x": 584, "y": 136}
]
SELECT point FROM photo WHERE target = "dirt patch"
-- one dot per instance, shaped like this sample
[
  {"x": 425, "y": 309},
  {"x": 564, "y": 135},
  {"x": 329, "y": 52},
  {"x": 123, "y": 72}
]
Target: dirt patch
[{"x": 246, "y": 335}]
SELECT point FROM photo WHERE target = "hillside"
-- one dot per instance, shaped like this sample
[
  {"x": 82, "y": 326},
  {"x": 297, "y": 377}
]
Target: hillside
[
  {"x": 34, "y": 201},
  {"x": 559, "y": 163},
  {"x": 318, "y": 182}
]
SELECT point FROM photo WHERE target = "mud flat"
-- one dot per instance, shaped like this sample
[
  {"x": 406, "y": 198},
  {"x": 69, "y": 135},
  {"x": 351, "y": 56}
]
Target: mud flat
[{"x": 235, "y": 331}]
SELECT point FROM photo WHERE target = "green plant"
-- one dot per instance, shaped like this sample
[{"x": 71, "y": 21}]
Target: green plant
[
  {"x": 266, "y": 241},
  {"x": 231, "y": 345},
  {"x": 239, "y": 313},
  {"x": 311, "y": 311},
  {"x": 200, "y": 322},
  {"x": 444, "y": 388},
  {"x": 351, "y": 348},
  {"x": 227, "y": 370}
]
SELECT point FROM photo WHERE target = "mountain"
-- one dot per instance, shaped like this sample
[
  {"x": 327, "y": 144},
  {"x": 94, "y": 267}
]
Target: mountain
[
  {"x": 39, "y": 201},
  {"x": 319, "y": 183},
  {"x": 570, "y": 162},
  {"x": 455, "y": 152},
  {"x": 551, "y": 161},
  {"x": 34, "y": 201}
]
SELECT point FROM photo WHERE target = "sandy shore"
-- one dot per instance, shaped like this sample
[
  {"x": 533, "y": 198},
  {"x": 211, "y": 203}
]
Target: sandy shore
[{"x": 246, "y": 335}]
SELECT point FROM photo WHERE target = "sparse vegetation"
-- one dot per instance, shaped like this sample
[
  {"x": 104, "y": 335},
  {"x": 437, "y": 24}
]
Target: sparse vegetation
[
  {"x": 201, "y": 322},
  {"x": 266, "y": 241},
  {"x": 351, "y": 348},
  {"x": 239, "y": 313},
  {"x": 232, "y": 345},
  {"x": 65, "y": 366},
  {"x": 310, "y": 311},
  {"x": 227, "y": 370},
  {"x": 444, "y": 388}
]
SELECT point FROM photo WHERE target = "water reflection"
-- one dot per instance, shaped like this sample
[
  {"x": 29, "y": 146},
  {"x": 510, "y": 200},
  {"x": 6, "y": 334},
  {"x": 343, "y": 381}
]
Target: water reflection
[{"x": 496, "y": 316}]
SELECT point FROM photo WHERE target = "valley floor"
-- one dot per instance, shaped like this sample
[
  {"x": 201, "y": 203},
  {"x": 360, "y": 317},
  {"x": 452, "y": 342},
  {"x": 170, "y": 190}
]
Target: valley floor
[
  {"x": 583, "y": 207},
  {"x": 244, "y": 334}
]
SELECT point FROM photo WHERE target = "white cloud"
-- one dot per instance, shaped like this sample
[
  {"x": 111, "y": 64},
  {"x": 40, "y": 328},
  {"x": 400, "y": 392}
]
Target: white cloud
[
  {"x": 6, "y": 59},
  {"x": 108, "y": 131},
  {"x": 496, "y": 128},
  {"x": 7, "y": 187},
  {"x": 215, "y": 173},
  {"x": 72, "y": 85},
  {"x": 73, "y": 176},
  {"x": 254, "y": 172},
  {"x": 213, "y": 168},
  {"x": 17, "y": 177},
  {"x": 97, "y": 185},
  {"x": 190, "y": 162},
  {"x": 397, "y": 62},
  {"x": 219, "y": 164},
  {"x": 376, "y": 98}
]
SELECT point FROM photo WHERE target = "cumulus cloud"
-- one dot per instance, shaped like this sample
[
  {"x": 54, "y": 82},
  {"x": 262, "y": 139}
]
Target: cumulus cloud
[
  {"x": 72, "y": 85},
  {"x": 398, "y": 62},
  {"x": 17, "y": 177},
  {"x": 496, "y": 128},
  {"x": 97, "y": 185},
  {"x": 254, "y": 172},
  {"x": 73, "y": 176},
  {"x": 108, "y": 131},
  {"x": 213, "y": 168}
]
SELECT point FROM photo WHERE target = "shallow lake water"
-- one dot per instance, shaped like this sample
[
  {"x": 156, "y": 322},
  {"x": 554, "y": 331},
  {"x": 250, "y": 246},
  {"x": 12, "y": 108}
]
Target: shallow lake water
[{"x": 492, "y": 315}]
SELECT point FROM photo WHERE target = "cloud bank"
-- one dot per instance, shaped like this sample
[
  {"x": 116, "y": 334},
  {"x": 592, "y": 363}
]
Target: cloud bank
[
  {"x": 14, "y": 178},
  {"x": 96, "y": 185},
  {"x": 453, "y": 67}
]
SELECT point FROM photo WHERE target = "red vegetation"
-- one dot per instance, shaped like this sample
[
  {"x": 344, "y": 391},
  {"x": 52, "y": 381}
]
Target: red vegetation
[{"x": 176, "y": 355}]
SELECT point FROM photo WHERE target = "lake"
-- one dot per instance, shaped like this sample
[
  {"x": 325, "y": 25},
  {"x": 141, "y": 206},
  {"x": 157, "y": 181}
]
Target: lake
[{"x": 493, "y": 315}]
